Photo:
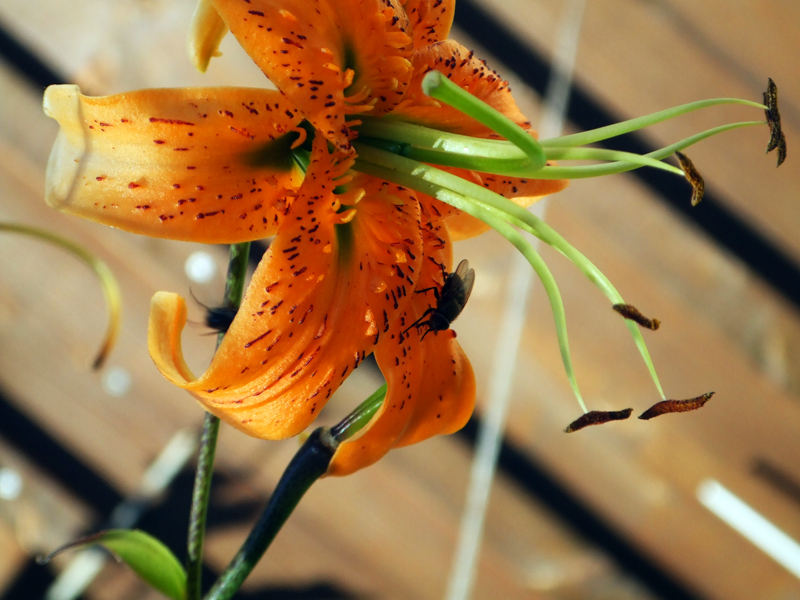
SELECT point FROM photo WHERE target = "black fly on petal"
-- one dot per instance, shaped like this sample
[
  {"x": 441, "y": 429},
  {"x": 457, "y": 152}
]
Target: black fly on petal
[{"x": 450, "y": 300}]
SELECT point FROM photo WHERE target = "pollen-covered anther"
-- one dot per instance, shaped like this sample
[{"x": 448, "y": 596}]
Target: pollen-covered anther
[
  {"x": 353, "y": 196},
  {"x": 598, "y": 417},
  {"x": 372, "y": 325},
  {"x": 347, "y": 216},
  {"x": 776, "y": 138},
  {"x": 397, "y": 39},
  {"x": 630, "y": 312},
  {"x": 693, "y": 177},
  {"x": 349, "y": 75},
  {"x": 673, "y": 406}
]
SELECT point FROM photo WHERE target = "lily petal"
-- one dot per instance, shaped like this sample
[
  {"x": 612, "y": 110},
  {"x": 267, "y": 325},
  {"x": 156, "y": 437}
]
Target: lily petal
[
  {"x": 318, "y": 303},
  {"x": 330, "y": 57},
  {"x": 202, "y": 164},
  {"x": 205, "y": 34},
  {"x": 430, "y": 382},
  {"x": 431, "y": 20}
]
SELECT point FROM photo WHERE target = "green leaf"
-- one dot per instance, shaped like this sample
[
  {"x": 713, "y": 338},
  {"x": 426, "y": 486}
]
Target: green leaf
[{"x": 148, "y": 557}]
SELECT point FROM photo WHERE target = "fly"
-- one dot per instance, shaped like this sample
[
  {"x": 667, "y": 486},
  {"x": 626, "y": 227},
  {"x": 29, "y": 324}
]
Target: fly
[{"x": 450, "y": 299}]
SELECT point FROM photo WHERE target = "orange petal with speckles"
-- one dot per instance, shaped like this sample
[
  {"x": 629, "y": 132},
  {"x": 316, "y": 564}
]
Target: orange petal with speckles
[
  {"x": 430, "y": 382},
  {"x": 430, "y": 20},
  {"x": 204, "y": 164},
  {"x": 321, "y": 298},
  {"x": 330, "y": 57}
]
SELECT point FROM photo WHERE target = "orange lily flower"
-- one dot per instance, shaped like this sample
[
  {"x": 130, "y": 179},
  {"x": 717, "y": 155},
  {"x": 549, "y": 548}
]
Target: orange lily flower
[{"x": 351, "y": 250}]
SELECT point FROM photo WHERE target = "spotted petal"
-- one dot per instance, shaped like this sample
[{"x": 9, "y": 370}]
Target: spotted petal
[
  {"x": 430, "y": 20},
  {"x": 207, "y": 165},
  {"x": 330, "y": 57},
  {"x": 318, "y": 303},
  {"x": 430, "y": 382}
]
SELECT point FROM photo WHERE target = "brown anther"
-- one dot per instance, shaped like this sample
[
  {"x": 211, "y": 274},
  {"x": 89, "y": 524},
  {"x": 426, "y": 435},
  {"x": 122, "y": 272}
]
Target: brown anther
[
  {"x": 776, "y": 137},
  {"x": 629, "y": 311},
  {"x": 693, "y": 177},
  {"x": 673, "y": 406},
  {"x": 598, "y": 417}
]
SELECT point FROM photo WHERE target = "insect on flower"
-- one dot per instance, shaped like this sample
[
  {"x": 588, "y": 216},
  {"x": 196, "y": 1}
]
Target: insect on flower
[{"x": 450, "y": 300}]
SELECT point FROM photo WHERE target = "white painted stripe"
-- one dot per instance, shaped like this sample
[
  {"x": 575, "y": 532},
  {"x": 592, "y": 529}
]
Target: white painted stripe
[{"x": 751, "y": 524}]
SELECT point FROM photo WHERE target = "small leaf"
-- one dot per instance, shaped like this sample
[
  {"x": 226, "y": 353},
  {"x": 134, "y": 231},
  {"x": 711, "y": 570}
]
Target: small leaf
[{"x": 148, "y": 557}]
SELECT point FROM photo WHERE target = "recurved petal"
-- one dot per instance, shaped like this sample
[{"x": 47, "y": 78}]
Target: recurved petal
[
  {"x": 205, "y": 34},
  {"x": 317, "y": 304},
  {"x": 430, "y": 20},
  {"x": 330, "y": 57},
  {"x": 430, "y": 382},
  {"x": 202, "y": 164}
]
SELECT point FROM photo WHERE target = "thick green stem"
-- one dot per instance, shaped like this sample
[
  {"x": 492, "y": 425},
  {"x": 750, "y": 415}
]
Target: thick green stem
[
  {"x": 309, "y": 464},
  {"x": 234, "y": 288}
]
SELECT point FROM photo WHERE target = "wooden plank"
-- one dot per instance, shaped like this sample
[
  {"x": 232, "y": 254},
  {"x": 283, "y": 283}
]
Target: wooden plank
[{"x": 389, "y": 531}]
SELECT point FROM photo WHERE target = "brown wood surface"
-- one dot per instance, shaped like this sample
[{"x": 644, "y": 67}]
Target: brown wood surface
[{"x": 389, "y": 532}]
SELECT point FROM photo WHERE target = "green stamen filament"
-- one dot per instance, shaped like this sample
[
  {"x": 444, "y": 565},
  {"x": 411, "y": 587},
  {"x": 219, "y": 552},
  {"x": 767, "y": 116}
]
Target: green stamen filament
[
  {"x": 404, "y": 152},
  {"x": 616, "y": 129},
  {"x": 438, "y": 86},
  {"x": 378, "y": 163}
]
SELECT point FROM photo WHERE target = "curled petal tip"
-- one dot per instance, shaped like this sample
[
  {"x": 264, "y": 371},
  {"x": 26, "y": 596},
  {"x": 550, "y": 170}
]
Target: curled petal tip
[
  {"x": 62, "y": 103},
  {"x": 205, "y": 34}
]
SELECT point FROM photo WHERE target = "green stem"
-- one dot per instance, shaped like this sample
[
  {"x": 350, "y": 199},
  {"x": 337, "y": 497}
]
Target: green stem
[
  {"x": 357, "y": 419},
  {"x": 234, "y": 289},
  {"x": 108, "y": 282},
  {"x": 309, "y": 464}
]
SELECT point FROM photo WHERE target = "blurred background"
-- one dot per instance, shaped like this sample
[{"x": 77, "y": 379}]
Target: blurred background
[{"x": 700, "y": 505}]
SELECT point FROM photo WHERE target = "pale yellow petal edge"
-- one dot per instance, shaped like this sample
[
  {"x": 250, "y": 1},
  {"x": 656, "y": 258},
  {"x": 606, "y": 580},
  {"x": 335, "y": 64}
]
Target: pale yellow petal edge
[
  {"x": 205, "y": 34},
  {"x": 167, "y": 319}
]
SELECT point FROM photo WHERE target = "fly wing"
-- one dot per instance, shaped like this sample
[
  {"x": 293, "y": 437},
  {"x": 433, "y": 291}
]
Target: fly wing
[{"x": 467, "y": 276}]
